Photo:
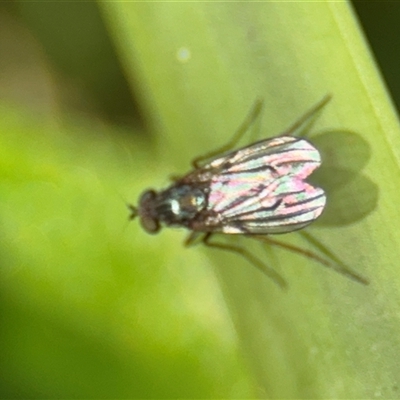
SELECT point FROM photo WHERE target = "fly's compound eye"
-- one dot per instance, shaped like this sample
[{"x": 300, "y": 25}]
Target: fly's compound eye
[{"x": 150, "y": 225}]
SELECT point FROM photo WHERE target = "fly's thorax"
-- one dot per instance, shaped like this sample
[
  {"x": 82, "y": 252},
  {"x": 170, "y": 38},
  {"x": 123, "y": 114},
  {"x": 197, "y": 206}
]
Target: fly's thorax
[{"x": 178, "y": 204}]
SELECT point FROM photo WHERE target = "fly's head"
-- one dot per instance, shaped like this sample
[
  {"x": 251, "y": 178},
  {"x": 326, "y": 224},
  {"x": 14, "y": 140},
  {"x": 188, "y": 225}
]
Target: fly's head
[
  {"x": 146, "y": 211},
  {"x": 176, "y": 206}
]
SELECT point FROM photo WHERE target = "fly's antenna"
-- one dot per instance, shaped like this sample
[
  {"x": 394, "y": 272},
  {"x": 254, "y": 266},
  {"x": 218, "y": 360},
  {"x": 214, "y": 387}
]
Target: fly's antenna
[{"x": 133, "y": 212}]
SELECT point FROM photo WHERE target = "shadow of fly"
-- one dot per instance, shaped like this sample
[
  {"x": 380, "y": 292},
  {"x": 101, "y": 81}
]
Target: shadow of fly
[{"x": 256, "y": 191}]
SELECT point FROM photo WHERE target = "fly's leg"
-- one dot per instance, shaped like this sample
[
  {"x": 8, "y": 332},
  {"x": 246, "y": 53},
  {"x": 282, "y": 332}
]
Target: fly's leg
[
  {"x": 206, "y": 240},
  {"x": 337, "y": 266},
  {"x": 300, "y": 127},
  {"x": 323, "y": 249},
  {"x": 297, "y": 129},
  {"x": 175, "y": 178},
  {"x": 251, "y": 117},
  {"x": 193, "y": 238}
]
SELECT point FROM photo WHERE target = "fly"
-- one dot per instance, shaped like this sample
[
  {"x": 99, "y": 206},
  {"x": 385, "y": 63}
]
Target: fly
[{"x": 256, "y": 191}]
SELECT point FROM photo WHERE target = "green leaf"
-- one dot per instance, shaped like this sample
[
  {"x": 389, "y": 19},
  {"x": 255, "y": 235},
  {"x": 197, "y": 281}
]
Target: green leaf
[
  {"x": 88, "y": 308},
  {"x": 198, "y": 68},
  {"x": 94, "y": 308}
]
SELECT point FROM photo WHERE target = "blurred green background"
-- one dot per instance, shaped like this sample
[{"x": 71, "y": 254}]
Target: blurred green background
[{"x": 91, "y": 307}]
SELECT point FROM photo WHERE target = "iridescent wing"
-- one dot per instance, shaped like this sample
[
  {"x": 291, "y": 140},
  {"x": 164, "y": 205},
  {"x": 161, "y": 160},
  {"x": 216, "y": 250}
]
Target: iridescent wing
[{"x": 260, "y": 189}]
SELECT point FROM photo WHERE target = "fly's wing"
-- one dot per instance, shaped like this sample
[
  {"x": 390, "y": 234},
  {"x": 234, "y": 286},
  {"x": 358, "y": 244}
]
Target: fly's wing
[
  {"x": 287, "y": 154},
  {"x": 260, "y": 189}
]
